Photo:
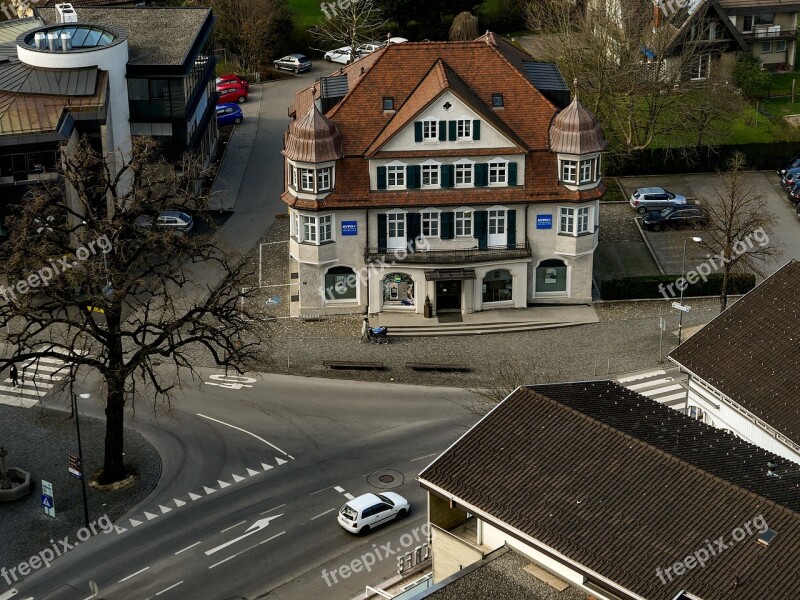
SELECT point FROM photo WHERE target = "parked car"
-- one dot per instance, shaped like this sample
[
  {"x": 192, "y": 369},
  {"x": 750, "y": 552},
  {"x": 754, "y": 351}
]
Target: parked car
[
  {"x": 369, "y": 48},
  {"x": 293, "y": 62},
  {"x": 368, "y": 511},
  {"x": 228, "y": 114},
  {"x": 794, "y": 193},
  {"x": 793, "y": 164},
  {"x": 340, "y": 55},
  {"x": 230, "y": 92},
  {"x": 687, "y": 215},
  {"x": 233, "y": 78},
  {"x": 653, "y": 198},
  {"x": 174, "y": 220},
  {"x": 397, "y": 40},
  {"x": 790, "y": 178}
]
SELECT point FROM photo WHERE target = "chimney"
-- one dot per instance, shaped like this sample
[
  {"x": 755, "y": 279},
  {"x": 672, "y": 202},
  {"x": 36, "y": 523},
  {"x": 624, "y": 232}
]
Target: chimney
[
  {"x": 52, "y": 40},
  {"x": 66, "y": 41},
  {"x": 40, "y": 40},
  {"x": 66, "y": 13}
]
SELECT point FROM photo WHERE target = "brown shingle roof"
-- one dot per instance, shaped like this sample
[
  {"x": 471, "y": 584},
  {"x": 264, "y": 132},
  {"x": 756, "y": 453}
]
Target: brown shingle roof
[
  {"x": 622, "y": 486},
  {"x": 750, "y": 352}
]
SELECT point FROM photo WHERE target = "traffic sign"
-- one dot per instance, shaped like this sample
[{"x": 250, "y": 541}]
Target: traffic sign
[
  {"x": 47, "y": 499},
  {"x": 75, "y": 466},
  {"x": 680, "y": 306}
]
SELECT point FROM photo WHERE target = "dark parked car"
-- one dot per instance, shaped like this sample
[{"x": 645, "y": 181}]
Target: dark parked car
[
  {"x": 228, "y": 114},
  {"x": 790, "y": 178},
  {"x": 293, "y": 62},
  {"x": 230, "y": 92},
  {"x": 682, "y": 216},
  {"x": 794, "y": 193},
  {"x": 793, "y": 164}
]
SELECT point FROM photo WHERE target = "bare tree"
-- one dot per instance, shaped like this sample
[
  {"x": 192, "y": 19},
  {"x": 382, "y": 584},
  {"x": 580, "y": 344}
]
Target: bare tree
[
  {"x": 97, "y": 287},
  {"x": 741, "y": 223},
  {"x": 349, "y": 23},
  {"x": 464, "y": 27},
  {"x": 245, "y": 26}
]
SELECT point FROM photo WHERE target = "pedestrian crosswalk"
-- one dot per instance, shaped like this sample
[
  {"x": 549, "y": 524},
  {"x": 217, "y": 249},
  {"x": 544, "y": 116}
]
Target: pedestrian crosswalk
[
  {"x": 659, "y": 385},
  {"x": 36, "y": 378}
]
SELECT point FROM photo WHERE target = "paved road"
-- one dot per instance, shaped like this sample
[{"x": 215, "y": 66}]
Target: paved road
[{"x": 286, "y": 450}]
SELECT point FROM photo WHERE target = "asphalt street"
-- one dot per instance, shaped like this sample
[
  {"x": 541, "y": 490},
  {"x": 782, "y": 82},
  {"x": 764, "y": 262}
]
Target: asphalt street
[{"x": 251, "y": 484}]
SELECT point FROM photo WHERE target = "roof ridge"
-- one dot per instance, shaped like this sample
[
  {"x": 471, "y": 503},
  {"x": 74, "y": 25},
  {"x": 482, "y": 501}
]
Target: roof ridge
[{"x": 683, "y": 463}]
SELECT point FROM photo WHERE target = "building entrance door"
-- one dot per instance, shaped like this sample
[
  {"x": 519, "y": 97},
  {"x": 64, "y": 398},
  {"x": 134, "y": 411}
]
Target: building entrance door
[{"x": 448, "y": 296}]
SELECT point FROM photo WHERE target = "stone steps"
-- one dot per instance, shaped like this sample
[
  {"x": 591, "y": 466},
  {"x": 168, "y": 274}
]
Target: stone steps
[{"x": 443, "y": 329}]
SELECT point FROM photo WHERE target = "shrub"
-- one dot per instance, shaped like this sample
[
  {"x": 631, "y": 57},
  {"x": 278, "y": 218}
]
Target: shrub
[{"x": 627, "y": 288}]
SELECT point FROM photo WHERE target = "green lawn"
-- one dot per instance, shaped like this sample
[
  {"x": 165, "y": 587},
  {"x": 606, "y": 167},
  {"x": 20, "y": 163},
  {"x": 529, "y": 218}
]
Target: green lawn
[
  {"x": 780, "y": 107},
  {"x": 749, "y": 127},
  {"x": 306, "y": 12}
]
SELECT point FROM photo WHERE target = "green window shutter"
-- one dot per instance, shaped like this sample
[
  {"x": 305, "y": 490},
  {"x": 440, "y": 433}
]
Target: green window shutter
[
  {"x": 476, "y": 129},
  {"x": 417, "y": 131},
  {"x": 451, "y": 126},
  {"x": 413, "y": 227},
  {"x": 382, "y": 233},
  {"x": 482, "y": 174},
  {"x": 481, "y": 228},
  {"x": 511, "y": 228},
  {"x": 447, "y": 176},
  {"x": 512, "y": 173},
  {"x": 448, "y": 219},
  {"x": 442, "y": 131},
  {"x": 412, "y": 176},
  {"x": 381, "y": 178}
]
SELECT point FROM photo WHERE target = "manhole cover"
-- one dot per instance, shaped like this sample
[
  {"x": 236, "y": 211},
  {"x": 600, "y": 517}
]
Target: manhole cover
[{"x": 386, "y": 479}]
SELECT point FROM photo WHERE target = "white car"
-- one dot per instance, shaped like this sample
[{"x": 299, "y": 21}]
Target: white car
[
  {"x": 654, "y": 198},
  {"x": 369, "y": 48},
  {"x": 369, "y": 511},
  {"x": 397, "y": 40},
  {"x": 340, "y": 55}
]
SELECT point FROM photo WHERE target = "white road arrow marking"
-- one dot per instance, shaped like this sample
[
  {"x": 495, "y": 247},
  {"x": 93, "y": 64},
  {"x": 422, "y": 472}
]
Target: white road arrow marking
[
  {"x": 280, "y": 461},
  {"x": 208, "y": 490},
  {"x": 254, "y": 528},
  {"x": 119, "y": 529},
  {"x": 178, "y": 503},
  {"x": 266, "y": 466},
  {"x": 251, "y": 472},
  {"x": 194, "y": 496},
  {"x": 134, "y": 522},
  {"x": 150, "y": 516},
  {"x": 223, "y": 484},
  {"x": 237, "y": 478},
  {"x": 164, "y": 509}
]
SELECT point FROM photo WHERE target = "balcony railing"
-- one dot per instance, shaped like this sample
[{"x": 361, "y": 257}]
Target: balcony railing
[
  {"x": 769, "y": 32},
  {"x": 468, "y": 255}
]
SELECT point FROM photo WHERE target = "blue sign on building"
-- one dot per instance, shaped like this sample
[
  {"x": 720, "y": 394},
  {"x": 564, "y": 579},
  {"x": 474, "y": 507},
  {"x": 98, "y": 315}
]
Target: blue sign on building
[
  {"x": 349, "y": 227},
  {"x": 544, "y": 221}
]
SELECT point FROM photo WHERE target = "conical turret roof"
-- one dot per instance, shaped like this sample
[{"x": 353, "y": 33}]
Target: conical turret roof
[
  {"x": 314, "y": 139},
  {"x": 575, "y": 131}
]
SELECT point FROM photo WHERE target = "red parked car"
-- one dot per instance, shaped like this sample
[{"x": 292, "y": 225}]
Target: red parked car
[
  {"x": 233, "y": 78},
  {"x": 229, "y": 92}
]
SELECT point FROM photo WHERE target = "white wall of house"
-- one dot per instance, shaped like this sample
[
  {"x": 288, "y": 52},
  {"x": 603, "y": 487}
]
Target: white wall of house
[{"x": 726, "y": 414}]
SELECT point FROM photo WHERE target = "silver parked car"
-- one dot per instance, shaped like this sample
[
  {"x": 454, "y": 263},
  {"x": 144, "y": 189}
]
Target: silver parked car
[
  {"x": 653, "y": 198},
  {"x": 174, "y": 220},
  {"x": 293, "y": 62}
]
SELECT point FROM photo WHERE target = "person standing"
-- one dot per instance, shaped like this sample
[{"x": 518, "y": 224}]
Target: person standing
[{"x": 14, "y": 375}]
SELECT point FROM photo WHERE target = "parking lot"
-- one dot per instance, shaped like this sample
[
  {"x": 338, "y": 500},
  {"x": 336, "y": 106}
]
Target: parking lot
[{"x": 622, "y": 249}]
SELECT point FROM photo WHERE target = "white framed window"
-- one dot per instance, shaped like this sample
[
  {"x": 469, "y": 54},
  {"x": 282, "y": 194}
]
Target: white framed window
[
  {"x": 583, "y": 220},
  {"x": 464, "y": 129},
  {"x": 295, "y": 224},
  {"x": 464, "y": 173},
  {"x": 309, "y": 229},
  {"x": 326, "y": 228},
  {"x": 569, "y": 171},
  {"x": 294, "y": 177},
  {"x": 396, "y": 176},
  {"x": 702, "y": 66},
  {"x": 324, "y": 179},
  {"x": 430, "y": 223},
  {"x": 430, "y": 175},
  {"x": 566, "y": 220},
  {"x": 498, "y": 172},
  {"x": 780, "y": 46},
  {"x": 587, "y": 175},
  {"x": 307, "y": 180},
  {"x": 463, "y": 220},
  {"x": 430, "y": 130}
]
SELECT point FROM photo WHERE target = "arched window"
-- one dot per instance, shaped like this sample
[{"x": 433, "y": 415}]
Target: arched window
[
  {"x": 341, "y": 283},
  {"x": 497, "y": 286},
  {"x": 398, "y": 290},
  {"x": 551, "y": 276}
]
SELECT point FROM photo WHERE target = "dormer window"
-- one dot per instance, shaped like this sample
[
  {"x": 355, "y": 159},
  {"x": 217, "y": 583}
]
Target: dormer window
[
  {"x": 497, "y": 101},
  {"x": 388, "y": 103},
  {"x": 395, "y": 176}
]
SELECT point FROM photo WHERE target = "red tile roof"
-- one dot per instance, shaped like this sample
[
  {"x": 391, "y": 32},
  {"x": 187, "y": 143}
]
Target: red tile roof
[{"x": 621, "y": 486}]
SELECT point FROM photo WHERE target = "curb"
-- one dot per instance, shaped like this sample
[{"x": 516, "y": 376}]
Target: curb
[
  {"x": 730, "y": 296},
  {"x": 649, "y": 247}
]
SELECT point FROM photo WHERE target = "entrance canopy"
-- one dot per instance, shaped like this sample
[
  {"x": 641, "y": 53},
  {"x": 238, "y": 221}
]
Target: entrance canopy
[{"x": 449, "y": 274}]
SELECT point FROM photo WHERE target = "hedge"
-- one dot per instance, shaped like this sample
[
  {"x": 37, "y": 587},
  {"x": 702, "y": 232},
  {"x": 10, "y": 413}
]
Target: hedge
[
  {"x": 702, "y": 159},
  {"x": 627, "y": 288}
]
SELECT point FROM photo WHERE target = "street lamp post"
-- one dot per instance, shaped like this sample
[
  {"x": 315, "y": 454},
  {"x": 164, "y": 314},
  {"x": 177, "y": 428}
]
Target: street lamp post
[
  {"x": 696, "y": 240},
  {"x": 80, "y": 453}
]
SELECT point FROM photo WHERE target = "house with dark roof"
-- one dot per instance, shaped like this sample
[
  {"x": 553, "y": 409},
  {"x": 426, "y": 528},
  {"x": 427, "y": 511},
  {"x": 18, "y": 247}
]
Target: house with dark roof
[
  {"x": 743, "y": 366},
  {"x": 105, "y": 73},
  {"x": 769, "y": 28},
  {"x": 457, "y": 172},
  {"x": 616, "y": 495}
]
